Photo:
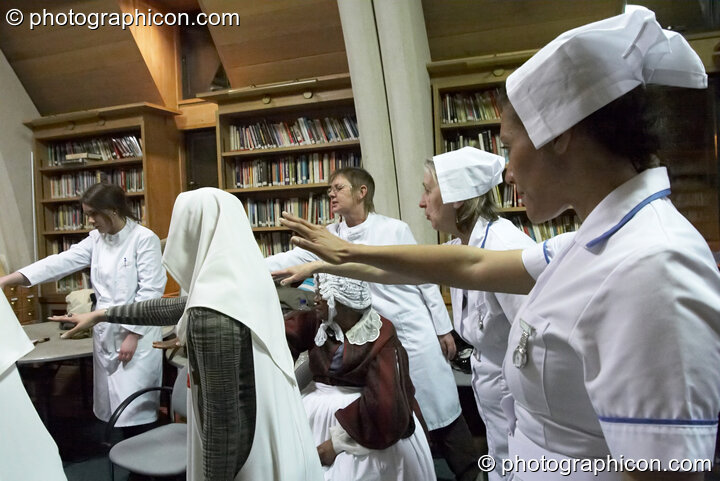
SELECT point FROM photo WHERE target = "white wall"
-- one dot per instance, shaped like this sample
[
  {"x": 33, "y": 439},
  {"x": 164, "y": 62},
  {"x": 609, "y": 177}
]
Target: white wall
[{"x": 16, "y": 218}]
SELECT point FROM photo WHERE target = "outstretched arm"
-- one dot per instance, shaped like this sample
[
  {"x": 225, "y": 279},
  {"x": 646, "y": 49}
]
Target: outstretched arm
[
  {"x": 354, "y": 270},
  {"x": 464, "y": 267}
]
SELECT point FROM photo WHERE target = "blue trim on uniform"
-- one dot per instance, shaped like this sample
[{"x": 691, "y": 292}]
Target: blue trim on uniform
[
  {"x": 487, "y": 229},
  {"x": 691, "y": 422},
  {"x": 545, "y": 253},
  {"x": 628, "y": 216}
]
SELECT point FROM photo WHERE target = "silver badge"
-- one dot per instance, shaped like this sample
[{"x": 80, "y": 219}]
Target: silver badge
[{"x": 521, "y": 351}]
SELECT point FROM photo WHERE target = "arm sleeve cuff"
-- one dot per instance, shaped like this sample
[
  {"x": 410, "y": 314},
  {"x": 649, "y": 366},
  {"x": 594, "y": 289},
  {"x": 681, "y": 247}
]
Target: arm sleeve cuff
[
  {"x": 665, "y": 442},
  {"x": 342, "y": 441}
]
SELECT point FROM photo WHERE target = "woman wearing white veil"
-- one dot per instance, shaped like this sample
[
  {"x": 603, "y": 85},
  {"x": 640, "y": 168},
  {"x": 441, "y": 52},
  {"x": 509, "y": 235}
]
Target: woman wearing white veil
[{"x": 247, "y": 421}]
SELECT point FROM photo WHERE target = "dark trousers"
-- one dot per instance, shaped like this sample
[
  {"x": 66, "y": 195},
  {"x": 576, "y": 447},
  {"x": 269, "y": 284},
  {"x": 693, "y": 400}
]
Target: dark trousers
[
  {"x": 221, "y": 363},
  {"x": 455, "y": 443}
]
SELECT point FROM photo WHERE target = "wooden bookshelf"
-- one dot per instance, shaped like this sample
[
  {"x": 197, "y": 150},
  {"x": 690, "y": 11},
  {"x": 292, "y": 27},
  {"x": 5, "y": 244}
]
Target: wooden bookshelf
[
  {"x": 466, "y": 96},
  {"x": 277, "y": 145},
  {"x": 150, "y": 176}
]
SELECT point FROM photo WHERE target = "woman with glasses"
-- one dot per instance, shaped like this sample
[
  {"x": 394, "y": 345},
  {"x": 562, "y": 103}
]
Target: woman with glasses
[{"x": 418, "y": 313}]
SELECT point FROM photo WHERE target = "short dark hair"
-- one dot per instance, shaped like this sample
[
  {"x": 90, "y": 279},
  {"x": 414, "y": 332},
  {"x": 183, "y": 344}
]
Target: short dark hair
[
  {"x": 629, "y": 127},
  {"x": 104, "y": 196},
  {"x": 358, "y": 177}
]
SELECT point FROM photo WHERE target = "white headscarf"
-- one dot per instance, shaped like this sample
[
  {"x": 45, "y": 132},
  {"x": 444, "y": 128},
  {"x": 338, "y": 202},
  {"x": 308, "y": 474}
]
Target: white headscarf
[
  {"x": 466, "y": 173},
  {"x": 352, "y": 293},
  {"x": 14, "y": 343},
  {"x": 212, "y": 253},
  {"x": 588, "y": 67}
]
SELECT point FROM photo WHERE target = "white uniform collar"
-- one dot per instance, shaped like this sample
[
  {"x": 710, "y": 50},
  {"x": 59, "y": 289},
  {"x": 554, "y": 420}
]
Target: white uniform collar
[
  {"x": 615, "y": 210},
  {"x": 356, "y": 232},
  {"x": 477, "y": 237},
  {"x": 120, "y": 236}
]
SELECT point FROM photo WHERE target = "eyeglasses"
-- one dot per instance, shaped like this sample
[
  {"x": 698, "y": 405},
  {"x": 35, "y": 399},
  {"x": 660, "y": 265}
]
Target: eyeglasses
[{"x": 337, "y": 188}]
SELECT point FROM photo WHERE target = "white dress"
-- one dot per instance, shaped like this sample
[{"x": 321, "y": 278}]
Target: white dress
[
  {"x": 124, "y": 267},
  {"x": 484, "y": 322},
  {"x": 417, "y": 312},
  {"x": 27, "y": 451},
  {"x": 622, "y": 339},
  {"x": 212, "y": 253}
]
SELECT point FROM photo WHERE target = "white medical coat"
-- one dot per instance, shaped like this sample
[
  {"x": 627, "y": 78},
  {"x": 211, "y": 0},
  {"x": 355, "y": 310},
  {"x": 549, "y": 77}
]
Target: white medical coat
[
  {"x": 624, "y": 342},
  {"x": 27, "y": 451},
  {"x": 484, "y": 323},
  {"x": 124, "y": 268},
  {"x": 417, "y": 312}
]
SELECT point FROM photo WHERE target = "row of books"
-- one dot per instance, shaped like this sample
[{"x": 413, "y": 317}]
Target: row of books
[
  {"x": 73, "y": 282},
  {"x": 95, "y": 149},
  {"x": 312, "y": 168},
  {"x": 271, "y": 243},
  {"x": 486, "y": 140},
  {"x": 471, "y": 106},
  {"x": 71, "y": 217},
  {"x": 62, "y": 244},
  {"x": 551, "y": 228},
  {"x": 266, "y": 213},
  {"x": 73, "y": 185},
  {"x": 505, "y": 196},
  {"x": 303, "y": 131}
]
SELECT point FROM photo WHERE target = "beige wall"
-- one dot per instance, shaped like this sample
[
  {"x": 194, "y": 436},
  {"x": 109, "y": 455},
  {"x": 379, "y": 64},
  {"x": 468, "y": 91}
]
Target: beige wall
[{"x": 16, "y": 231}]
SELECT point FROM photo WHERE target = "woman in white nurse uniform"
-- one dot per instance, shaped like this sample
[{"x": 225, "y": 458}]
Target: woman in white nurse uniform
[
  {"x": 27, "y": 451},
  {"x": 615, "y": 353},
  {"x": 125, "y": 266},
  {"x": 247, "y": 421}
]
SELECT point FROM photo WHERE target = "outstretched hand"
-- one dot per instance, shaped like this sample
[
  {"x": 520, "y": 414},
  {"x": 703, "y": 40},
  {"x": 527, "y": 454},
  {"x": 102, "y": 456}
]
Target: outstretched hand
[
  {"x": 317, "y": 239},
  {"x": 82, "y": 322},
  {"x": 293, "y": 274}
]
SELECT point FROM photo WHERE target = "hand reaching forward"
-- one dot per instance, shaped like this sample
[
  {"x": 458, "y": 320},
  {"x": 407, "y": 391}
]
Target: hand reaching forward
[
  {"x": 82, "y": 321},
  {"x": 317, "y": 239}
]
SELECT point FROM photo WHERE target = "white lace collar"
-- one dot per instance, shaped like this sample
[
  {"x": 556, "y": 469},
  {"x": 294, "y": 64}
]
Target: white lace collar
[{"x": 367, "y": 329}]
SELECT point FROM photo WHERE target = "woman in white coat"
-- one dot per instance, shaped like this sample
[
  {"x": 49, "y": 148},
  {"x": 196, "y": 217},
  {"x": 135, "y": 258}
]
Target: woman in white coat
[
  {"x": 418, "y": 313},
  {"x": 247, "y": 421},
  {"x": 125, "y": 266},
  {"x": 27, "y": 451},
  {"x": 613, "y": 358}
]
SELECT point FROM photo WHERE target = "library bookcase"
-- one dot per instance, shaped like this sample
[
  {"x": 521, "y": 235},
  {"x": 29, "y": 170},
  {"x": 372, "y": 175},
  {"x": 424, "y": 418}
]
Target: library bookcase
[
  {"x": 466, "y": 112},
  {"x": 277, "y": 145},
  {"x": 134, "y": 145}
]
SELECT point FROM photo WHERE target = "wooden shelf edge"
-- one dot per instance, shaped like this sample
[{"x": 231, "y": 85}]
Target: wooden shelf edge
[
  {"x": 465, "y": 125},
  {"x": 276, "y": 188},
  {"x": 66, "y": 232},
  {"x": 294, "y": 148},
  {"x": 77, "y": 199},
  {"x": 101, "y": 113},
  {"x": 295, "y": 86},
  {"x": 93, "y": 165}
]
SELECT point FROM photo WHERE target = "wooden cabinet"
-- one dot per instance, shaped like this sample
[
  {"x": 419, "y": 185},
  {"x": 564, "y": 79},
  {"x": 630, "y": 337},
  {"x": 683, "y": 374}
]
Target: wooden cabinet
[
  {"x": 24, "y": 303},
  {"x": 135, "y": 146},
  {"x": 278, "y": 145},
  {"x": 466, "y": 112}
]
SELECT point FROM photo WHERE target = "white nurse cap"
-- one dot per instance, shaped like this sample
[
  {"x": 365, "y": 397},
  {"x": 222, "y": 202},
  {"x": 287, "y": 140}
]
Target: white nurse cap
[
  {"x": 466, "y": 173},
  {"x": 588, "y": 67}
]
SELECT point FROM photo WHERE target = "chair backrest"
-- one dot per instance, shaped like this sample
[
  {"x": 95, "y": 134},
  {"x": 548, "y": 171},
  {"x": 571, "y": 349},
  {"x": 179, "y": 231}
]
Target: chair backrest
[
  {"x": 302, "y": 371},
  {"x": 178, "y": 401}
]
